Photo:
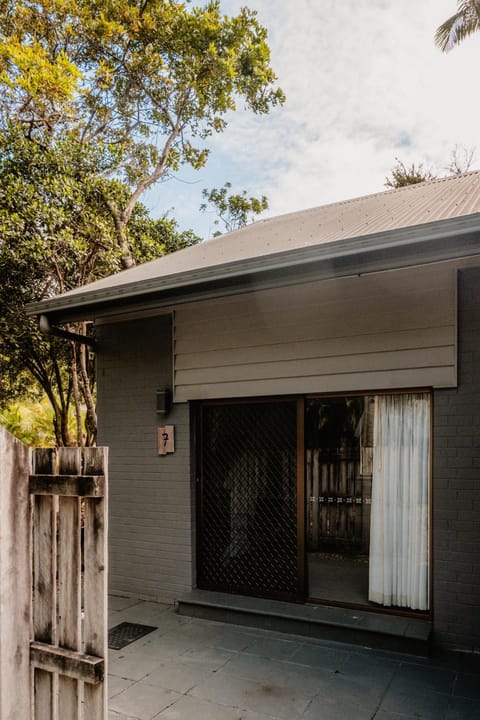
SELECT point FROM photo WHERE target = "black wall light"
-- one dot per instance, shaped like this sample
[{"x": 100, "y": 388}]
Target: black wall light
[{"x": 164, "y": 401}]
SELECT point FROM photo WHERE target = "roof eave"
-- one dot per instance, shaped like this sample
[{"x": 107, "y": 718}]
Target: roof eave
[{"x": 430, "y": 242}]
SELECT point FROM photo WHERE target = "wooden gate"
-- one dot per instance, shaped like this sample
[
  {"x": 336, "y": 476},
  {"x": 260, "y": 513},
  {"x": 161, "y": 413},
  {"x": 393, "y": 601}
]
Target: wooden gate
[{"x": 63, "y": 603}]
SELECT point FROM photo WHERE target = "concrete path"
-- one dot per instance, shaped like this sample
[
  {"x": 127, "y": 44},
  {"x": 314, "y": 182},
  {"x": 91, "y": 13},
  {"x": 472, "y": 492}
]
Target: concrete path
[{"x": 190, "y": 669}]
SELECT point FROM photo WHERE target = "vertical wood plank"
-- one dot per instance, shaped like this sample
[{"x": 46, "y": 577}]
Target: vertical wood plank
[
  {"x": 69, "y": 610},
  {"x": 69, "y": 582},
  {"x": 15, "y": 578},
  {"x": 43, "y": 695},
  {"x": 44, "y": 586},
  {"x": 95, "y": 583}
]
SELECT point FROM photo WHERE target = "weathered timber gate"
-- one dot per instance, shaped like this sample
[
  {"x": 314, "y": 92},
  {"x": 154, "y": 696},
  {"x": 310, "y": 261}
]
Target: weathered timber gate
[{"x": 63, "y": 602}]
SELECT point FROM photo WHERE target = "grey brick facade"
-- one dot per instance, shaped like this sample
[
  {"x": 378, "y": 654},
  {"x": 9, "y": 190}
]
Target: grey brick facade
[
  {"x": 150, "y": 497},
  {"x": 456, "y": 484}
]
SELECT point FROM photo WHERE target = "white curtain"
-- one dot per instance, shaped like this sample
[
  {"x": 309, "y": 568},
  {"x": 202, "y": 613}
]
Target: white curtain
[{"x": 399, "y": 532}]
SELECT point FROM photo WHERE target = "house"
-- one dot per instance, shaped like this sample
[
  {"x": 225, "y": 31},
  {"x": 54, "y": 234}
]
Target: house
[{"x": 323, "y": 443}]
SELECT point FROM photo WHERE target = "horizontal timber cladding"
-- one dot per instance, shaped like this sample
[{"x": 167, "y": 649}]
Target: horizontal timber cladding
[{"x": 395, "y": 329}]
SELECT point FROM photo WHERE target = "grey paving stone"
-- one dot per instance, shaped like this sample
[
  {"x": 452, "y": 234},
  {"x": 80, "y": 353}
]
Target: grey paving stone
[
  {"x": 210, "y": 658},
  {"x": 250, "y": 667},
  {"x": 131, "y": 666},
  {"x": 385, "y": 715},
  {"x": 231, "y": 639},
  {"x": 364, "y": 691},
  {"x": 322, "y": 708},
  {"x": 408, "y": 699},
  {"x": 431, "y": 678},
  {"x": 260, "y": 697},
  {"x": 463, "y": 709},
  {"x": 116, "y": 602},
  {"x": 112, "y": 715},
  {"x": 366, "y": 667},
  {"x": 188, "y": 708},
  {"x": 287, "y": 674},
  {"x": 467, "y": 685},
  {"x": 142, "y": 701},
  {"x": 160, "y": 648},
  {"x": 117, "y": 684},
  {"x": 272, "y": 648},
  {"x": 320, "y": 656},
  {"x": 180, "y": 677}
]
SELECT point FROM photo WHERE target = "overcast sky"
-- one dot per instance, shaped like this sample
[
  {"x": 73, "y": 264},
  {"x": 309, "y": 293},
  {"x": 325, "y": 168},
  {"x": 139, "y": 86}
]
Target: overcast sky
[{"x": 364, "y": 85}]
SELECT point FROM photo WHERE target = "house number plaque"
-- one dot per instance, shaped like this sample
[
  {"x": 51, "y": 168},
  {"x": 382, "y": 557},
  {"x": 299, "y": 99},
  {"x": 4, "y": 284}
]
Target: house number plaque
[{"x": 166, "y": 440}]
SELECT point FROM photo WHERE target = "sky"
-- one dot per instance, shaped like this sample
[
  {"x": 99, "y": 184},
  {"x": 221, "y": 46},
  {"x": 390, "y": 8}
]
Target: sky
[{"x": 364, "y": 85}]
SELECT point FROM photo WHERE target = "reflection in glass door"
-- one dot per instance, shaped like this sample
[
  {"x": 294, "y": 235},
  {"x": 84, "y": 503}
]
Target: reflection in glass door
[{"x": 339, "y": 451}]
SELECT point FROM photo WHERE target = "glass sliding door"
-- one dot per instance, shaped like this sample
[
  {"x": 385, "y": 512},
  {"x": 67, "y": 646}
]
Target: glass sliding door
[
  {"x": 338, "y": 440},
  {"x": 367, "y": 499}
]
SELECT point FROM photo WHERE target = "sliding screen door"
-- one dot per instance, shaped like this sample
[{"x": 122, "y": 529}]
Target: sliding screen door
[{"x": 248, "y": 539}]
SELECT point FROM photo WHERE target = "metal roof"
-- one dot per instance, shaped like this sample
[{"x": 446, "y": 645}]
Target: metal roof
[{"x": 327, "y": 231}]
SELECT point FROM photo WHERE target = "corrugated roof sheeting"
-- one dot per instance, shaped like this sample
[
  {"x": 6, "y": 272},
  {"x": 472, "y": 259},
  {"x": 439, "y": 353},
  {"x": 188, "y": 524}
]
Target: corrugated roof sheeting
[{"x": 413, "y": 205}]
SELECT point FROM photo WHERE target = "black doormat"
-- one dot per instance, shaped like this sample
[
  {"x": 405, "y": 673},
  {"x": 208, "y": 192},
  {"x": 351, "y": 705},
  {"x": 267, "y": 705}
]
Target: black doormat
[{"x": 126, "y": 633}]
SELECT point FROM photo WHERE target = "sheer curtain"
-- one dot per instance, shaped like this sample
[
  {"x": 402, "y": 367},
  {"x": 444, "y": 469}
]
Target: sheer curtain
[{"x": 399, "y": 533}]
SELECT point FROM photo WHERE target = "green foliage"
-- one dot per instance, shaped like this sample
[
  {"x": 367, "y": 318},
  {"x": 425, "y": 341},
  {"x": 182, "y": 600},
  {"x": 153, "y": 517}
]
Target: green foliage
[
  {"x": 99, "y": 100},
  {"x": 31, "y": 422},
  {"x": 403, "y": 175},
  {"x": 465, "y": 22},
  {"x": 234, "y": 211},
  {"x": 57, "y": 233},
  {"x": 146, "y": 82}
]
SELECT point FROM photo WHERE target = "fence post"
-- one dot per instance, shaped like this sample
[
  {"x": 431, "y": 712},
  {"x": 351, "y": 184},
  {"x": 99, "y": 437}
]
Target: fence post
[{"x": 15, "y": 579}]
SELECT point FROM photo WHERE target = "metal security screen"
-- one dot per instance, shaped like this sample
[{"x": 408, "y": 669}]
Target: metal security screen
[{"x": 248, "y": 498}]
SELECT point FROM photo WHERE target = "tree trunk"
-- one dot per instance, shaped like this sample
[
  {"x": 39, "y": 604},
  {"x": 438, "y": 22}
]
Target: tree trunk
[
  {"x": 76, "y": 394},
  {"x": 87, "y": 389}
]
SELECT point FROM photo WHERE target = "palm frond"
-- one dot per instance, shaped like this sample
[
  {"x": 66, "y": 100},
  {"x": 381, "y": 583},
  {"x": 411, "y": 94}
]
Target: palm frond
[{"x": 464, "y": 23}]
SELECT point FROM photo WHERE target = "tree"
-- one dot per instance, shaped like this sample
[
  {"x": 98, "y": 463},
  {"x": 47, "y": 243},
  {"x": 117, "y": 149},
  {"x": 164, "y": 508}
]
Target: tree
[
  {"x": 234, "y": 211},
  {"x": 461, "y": 160},
  {"x": 100, "y": 100},
  {"x": 149, "y": 80},
  {"x": 56, "y": 234},
  {"x": 403, "y": 175},
  {"x": 465, "y": 22}
]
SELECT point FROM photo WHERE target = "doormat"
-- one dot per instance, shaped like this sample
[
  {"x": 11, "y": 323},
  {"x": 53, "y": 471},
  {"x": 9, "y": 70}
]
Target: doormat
[{"x": 126, "y": 633}]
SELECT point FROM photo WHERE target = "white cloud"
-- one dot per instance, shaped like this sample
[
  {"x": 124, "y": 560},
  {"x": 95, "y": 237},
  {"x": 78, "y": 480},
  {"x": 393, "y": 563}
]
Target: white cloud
[{"x": 364, "y": 84}]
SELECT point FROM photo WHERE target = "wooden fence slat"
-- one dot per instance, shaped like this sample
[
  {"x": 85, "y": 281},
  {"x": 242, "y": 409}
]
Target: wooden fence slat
[
  {"x": 95, "y": 584},
  {"x": 43, "y": 695},
  {"x": 69, "y": 485},
  {"x": 69, "y": 582},
  {"x": 44, "y": 605},
  {"x": 73, "y": 664},
  {"x": 15, "y": 578},
  {"x": 44, "y": 563}
]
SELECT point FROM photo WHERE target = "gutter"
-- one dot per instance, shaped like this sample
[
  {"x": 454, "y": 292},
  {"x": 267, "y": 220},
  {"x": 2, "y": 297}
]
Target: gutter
[
  {"x": 437, "y": 241},
  {"x": 48, "y": 329}
]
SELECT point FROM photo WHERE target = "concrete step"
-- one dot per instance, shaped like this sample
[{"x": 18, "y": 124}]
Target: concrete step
[{"x": 377, "y": 630}]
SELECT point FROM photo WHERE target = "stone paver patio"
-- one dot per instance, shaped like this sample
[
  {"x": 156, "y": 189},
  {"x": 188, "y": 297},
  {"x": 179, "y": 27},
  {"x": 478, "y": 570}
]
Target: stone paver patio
[{"x": 191, "y": 669}]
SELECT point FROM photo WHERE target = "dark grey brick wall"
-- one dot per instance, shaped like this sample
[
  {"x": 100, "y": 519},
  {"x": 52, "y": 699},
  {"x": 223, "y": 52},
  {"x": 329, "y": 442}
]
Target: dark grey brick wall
[
  {"x": 150, "y": 497},
  {"x": 456, "y": 484}
]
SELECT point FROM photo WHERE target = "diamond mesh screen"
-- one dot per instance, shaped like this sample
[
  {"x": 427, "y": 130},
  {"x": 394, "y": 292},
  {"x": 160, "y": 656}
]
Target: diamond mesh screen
[{"x": 248, "y": 525}]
